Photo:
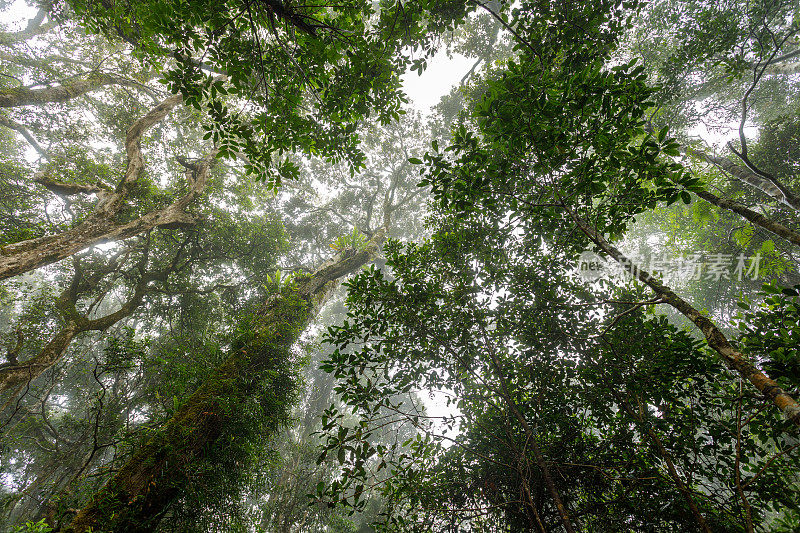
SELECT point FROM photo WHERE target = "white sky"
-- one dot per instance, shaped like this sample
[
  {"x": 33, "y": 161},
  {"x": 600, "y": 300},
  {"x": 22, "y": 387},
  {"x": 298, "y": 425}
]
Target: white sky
[
  {"x": 436, "y": 81},
  {"x": 18, "y": 15}
]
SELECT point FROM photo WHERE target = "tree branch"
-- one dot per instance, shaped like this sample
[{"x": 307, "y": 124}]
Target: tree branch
[
  {"x": 745, "y": 175},
  {"x": 735, "y": 359},
  {"x": 25, "y": 96},
  {"x": 68, "y": 189},
  {"x": 101, "y": 225},
  {"x": 25, "y": 132},
  {"x": 752, "y": 216},
  {"x": 35, "y": 27}
]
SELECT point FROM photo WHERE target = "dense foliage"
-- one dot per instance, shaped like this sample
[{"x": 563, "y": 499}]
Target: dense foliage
[{"x": 571, "y": 295}]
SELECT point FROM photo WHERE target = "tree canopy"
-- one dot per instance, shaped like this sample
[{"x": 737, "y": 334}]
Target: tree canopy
[{"x": 245, "y": 285}]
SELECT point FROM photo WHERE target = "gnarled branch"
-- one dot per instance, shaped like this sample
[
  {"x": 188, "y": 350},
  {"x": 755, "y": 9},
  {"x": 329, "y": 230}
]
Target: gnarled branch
[{"x": 102, "y": 224}]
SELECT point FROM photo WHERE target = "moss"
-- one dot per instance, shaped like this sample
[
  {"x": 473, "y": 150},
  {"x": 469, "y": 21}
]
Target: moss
[{"x": 202, "y": 452}]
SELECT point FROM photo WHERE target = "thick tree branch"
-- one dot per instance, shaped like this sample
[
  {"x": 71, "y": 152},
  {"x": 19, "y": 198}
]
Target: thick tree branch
[
  {"x": 758, "y": 72},
  {"x": 102, "y": 224},
  {"x": 784, "y": 57},
  {"x": 784, "y": 69},
  {"x": 36, "y": 26},
  {"x": 25, "y": 96},
  {"x": 745, "y": 175},
  {"x": 14, "y": 375},
  {"x": 69, "y": 189},
  {"x": 789, "y": 198},
  {"x": 19, "y": 373},
  {"x": 752, "y": 216}
]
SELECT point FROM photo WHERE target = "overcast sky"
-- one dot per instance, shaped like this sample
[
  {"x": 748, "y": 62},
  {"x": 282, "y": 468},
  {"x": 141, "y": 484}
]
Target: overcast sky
[{"x": 441, "y": 75}]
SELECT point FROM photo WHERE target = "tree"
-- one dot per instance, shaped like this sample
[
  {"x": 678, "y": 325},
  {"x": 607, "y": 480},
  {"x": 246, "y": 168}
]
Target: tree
[
  {"x": 594, "y": 169},
  {"x": 65, "y": 169},
  {"x": 153, "y": 381},
  {"x": 556, "y": 152},
  {"x": 208, "y": 254},
  {"x": 627, "y": 409},
  {"x": 247, "y": 395},
  {"x": 340, "y": 64},
  {"x": 741, "y": 71}
]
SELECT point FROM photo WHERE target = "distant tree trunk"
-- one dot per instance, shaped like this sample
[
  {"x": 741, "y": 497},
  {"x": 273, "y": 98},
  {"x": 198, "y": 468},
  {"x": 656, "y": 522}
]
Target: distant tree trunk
[{"x": 144, "y": 488}]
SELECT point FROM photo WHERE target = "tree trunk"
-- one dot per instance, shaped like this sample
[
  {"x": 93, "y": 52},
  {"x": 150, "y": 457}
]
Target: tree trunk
[
  {"x": 735, "y": 359},
  {"x": 145, "y": 487}
]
